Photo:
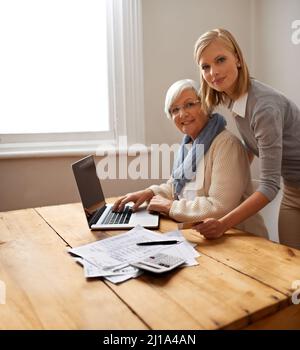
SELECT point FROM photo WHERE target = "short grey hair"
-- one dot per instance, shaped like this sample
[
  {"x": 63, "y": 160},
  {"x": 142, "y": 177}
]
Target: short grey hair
[{"x": 176, "y": 89}]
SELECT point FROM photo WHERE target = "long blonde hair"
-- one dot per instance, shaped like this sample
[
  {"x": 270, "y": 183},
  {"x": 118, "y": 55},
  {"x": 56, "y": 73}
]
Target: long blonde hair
[{"x": 209, "y": 96}]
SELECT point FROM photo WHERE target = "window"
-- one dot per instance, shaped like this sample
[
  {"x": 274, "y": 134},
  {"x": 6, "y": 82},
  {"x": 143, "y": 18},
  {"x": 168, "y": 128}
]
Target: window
[{"x": 71, "y": 75}]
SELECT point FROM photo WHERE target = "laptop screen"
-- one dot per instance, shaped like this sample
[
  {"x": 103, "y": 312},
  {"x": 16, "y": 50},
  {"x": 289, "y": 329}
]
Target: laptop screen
[{"x": 89, "y": 187}]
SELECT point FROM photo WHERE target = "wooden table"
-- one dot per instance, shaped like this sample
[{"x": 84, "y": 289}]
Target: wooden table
[{"x": 241, "y": 282}]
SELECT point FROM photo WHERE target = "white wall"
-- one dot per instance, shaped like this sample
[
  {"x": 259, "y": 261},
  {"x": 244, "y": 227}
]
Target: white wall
[{"x": 277, "y": 59}]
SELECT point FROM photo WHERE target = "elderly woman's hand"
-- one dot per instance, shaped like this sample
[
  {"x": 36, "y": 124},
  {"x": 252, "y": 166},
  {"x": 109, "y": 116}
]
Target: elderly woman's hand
[
  {"x": 210, "y": 228},
  {"x": 138, "y": 198},
  {"x": 160, "y": 204}
]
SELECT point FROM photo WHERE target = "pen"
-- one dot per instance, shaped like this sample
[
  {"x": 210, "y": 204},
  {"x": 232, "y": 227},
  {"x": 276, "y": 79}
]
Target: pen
[{"x": 158, "y": 242}]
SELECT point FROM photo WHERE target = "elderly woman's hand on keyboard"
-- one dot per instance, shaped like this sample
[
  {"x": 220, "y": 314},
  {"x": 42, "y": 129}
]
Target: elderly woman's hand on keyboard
[{"x": 138, "y": 198}]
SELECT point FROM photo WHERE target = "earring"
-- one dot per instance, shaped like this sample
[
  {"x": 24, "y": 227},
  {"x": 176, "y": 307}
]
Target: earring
[{"x": 238, "y": 65}]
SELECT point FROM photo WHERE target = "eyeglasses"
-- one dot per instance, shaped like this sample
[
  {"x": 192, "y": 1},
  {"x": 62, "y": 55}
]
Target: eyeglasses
[{"x": 188, "y": 106}]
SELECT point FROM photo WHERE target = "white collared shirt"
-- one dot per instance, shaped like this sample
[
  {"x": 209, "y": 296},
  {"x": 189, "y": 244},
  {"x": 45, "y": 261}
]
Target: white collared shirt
[{"x": 239, "y": 106}]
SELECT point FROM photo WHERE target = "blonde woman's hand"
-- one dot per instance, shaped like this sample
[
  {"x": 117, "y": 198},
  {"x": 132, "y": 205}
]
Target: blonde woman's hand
[
  {"x": 160, "y": 204},
  {"x": 210, "y": 228},
  {"x": 138, "y": 198}
]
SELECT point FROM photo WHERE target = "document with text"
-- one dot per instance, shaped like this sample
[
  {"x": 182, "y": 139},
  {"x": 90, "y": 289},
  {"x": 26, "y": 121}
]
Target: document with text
[{"x": 111, "y": 257}]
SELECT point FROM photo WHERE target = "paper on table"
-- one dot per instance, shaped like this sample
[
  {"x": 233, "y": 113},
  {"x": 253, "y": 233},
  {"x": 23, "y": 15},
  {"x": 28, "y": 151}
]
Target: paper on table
[
  {"x": 91, "y": 270},
  {"x": 95, "y": 253},
  {"x": 120, "y": 249},
  {"x": 110, "y": 258},
  {"x": 184, "y": 250},
  {"x": 118, "y": 276},
  {"x": 122, "y": 278},
  {"x": 179, "y": 236}
]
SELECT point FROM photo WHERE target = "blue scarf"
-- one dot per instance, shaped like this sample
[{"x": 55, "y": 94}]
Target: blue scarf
[{"x": 184, "y": 169}]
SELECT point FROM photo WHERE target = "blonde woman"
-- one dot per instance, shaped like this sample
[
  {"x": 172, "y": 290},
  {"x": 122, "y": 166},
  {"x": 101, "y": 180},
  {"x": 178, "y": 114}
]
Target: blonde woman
[
  {"x": 269, "y": 124},
  {"x": 201, "y": 185}
]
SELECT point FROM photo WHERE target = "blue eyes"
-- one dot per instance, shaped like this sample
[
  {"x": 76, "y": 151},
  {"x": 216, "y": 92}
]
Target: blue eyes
[{"x": 220, "y": 59}]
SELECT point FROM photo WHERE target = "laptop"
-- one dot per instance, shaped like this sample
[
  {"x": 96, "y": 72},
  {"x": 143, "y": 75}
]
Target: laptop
[{"x": 98, "y": 213}]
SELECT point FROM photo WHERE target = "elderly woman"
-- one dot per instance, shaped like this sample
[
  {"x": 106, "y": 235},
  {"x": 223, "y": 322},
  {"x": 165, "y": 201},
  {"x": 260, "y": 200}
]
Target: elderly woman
[{"x": 201, "y": 185}]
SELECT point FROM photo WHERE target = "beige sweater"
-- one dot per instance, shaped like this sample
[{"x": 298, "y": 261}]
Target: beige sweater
[{"x": 222, "y": 182}]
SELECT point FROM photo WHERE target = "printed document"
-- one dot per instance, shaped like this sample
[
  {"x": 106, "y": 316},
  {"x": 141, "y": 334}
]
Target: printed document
[{"x": 110, "y": 258}]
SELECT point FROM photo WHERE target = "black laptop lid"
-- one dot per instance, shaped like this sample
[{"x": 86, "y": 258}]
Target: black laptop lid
[{"x": 89, "y": 188}]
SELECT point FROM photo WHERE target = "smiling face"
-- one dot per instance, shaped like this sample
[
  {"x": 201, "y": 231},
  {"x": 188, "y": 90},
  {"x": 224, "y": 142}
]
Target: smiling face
[
  {"x": 219, "y": 67},
  {"x": 191, "y": 119}
]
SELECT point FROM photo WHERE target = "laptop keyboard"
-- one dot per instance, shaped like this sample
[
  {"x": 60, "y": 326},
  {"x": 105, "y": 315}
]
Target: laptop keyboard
[{"x": 118, "y": 218}]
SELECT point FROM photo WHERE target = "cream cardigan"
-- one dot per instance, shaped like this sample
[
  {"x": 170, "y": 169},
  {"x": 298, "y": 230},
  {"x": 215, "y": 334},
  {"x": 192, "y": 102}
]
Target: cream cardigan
[{"x": 222, "y": 182}]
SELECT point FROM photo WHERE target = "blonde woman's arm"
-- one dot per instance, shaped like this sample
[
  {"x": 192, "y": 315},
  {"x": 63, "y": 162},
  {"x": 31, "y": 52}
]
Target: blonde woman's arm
[{"x": 212, "y": 228}]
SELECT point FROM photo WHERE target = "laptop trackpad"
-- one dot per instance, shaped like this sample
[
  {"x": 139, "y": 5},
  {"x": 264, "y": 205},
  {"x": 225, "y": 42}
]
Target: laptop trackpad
[{"x": 143, "y": 217}]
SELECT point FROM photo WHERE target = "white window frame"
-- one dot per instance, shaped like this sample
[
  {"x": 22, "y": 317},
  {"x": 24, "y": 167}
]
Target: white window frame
[{"x": 126, "y": 94}]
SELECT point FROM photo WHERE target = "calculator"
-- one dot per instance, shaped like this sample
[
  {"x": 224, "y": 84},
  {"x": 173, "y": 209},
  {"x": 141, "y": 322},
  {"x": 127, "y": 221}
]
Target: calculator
[{"x": 159, "y": 263}]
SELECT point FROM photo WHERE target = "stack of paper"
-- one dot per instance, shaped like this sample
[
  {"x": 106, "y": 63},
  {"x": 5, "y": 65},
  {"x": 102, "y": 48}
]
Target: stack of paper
[{"x": 110, "y": 258}]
